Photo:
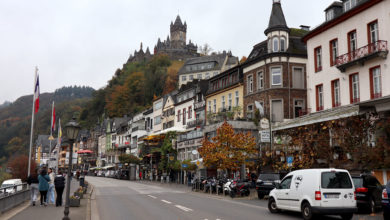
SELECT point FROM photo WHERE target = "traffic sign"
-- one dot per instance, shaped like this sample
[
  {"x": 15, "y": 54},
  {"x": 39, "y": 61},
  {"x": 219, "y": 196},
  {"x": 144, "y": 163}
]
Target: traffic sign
[
  {"x": 264, "y": 136},
  {"x": 290, "y": 161},
  {"x": 184, "y": 165}
]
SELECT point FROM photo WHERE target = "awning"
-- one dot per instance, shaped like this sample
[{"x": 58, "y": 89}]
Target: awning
[
  {"x": 317, "y": 117},
  {"x": 176, "y": 129},
  {"x": 107, "y": 167},
  {"x": 84, "y": 152}
]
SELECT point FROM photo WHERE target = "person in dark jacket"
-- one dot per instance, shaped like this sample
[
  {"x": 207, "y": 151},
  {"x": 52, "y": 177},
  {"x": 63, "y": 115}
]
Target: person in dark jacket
[
  {"x": 59, "y": 183},
  {"x": 43, "y": 186},
  {"x": 32, "y": 180}
]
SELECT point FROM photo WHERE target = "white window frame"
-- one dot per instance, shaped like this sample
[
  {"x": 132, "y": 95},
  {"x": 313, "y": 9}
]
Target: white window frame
[
  {"x": 230, "y": 102},
  {"x": 237, "y": 98},
  {"x": 214, "y": 105},
  {"x": 275, "y": 44},
  {"x": 282, "y": 44},
  {"x": 260, "y": 80},
  {"x": 272, "y": 75},
  {"x": 355, "y": 87},
  {"x": 223, "y": 102},
  {"x": 336, "y": 92},
  {"x": 183, "y": 78},
  {"x": 249, "y": 84},
  {"x": 374, "y": 32},
  {"x": 376, "y": 80}
]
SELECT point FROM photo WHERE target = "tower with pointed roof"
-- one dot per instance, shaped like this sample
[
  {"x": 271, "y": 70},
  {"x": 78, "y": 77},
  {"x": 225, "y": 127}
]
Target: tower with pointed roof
[
  {"x": 178, "y": 33},
  {"x": 277, "y": 31}
]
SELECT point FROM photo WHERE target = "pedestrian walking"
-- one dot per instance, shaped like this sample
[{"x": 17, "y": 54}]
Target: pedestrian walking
[
  {"x": 43, "y": 185},
  {"x": 32, "y": 180},
  {"x": 50, "y": 192},
  {"x": 59, "y": 183}
]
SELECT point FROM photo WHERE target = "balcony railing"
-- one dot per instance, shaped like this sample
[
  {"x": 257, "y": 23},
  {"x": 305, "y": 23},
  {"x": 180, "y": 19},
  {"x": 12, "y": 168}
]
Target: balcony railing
[
  {"x": 199, "y": 104},
  {"x": 376, "y": 49},
  {"x": 195, "y": 123}
]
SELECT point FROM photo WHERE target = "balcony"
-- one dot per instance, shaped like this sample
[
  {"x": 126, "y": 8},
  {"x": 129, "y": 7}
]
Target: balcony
[
  {"x": 198, "y": 105},
  {"x": 195, "y": 123},
  {"x": 359, "y": 56}
]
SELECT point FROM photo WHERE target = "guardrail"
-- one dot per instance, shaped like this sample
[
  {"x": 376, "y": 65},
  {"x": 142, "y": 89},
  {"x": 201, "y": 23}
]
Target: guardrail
[{"x": 13, "y": 195}]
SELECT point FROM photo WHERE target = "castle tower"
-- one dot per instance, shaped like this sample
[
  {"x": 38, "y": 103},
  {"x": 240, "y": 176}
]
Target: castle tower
[{"x": 178, "y": 34}]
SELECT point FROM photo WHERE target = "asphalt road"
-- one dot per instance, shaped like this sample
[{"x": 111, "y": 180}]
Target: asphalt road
[{"x": 119, "y": 199}]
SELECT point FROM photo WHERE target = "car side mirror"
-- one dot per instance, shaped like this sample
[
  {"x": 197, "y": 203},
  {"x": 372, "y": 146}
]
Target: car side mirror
[{"x": 277, "y": 185}]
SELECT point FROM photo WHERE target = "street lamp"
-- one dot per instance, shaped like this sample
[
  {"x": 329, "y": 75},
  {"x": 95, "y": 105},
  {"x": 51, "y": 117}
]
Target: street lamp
[{"x": 72, "y": 129}]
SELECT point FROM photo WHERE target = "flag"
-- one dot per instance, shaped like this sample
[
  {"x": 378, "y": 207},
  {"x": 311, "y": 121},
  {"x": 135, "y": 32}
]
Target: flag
[
  {"x": 53, "y": 119},
  {"x": 59, "y": 130},
  {"x": 36, "y": 94}
]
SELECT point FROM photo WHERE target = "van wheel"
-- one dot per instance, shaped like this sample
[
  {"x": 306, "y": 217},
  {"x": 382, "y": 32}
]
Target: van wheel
[
  {"x": 272, "y": 206},
  {"x": 347, "y": 216},
  {"x": 261, "y": 196},
  {"x": 307, "y": 213}
]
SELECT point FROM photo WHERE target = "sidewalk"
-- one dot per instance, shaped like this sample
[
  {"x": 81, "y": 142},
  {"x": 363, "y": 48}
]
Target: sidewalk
[{"x": 51, "y": 211}]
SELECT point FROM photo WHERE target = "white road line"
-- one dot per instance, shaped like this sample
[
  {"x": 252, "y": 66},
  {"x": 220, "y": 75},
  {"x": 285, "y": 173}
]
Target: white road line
[
  {"x": 184, "y": 208},
  {"x": 166, "y": 201},
  {"x": 152, "y": 197}
]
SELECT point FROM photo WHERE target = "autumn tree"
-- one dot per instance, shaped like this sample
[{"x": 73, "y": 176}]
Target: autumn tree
[
  {"x": 228, "y": 150},
  {"x": 205, "y": 49},
  {"x": 15, "y": 146},
  {"x": 19, "y": 167},
  {"x": 243, "y": 59}
]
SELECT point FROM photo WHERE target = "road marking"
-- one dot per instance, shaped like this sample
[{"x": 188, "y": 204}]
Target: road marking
[
  {"x": 152, "y": 197},
  {"x": 184, "y": 208},
  {"x": 166, "y": 201}
]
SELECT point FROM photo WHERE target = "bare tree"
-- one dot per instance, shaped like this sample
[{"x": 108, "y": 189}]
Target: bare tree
[{"x": 205, "y": 49}]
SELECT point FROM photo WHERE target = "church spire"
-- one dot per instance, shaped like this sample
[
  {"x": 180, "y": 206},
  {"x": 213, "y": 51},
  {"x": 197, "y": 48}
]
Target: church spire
[{"x": 277, "y": 20}]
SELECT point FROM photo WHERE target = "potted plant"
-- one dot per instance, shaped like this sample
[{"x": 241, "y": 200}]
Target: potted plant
[
  {"x": 79, "y": 192},
  {"x": 74, "y": 201}
]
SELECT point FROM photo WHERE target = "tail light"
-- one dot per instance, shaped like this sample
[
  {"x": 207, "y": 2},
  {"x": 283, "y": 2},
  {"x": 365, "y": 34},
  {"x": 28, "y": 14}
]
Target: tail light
[
  {"x": 362, "y": 190},
  {"x": 318, "y": 195},
  {"x": 384, "y": 194}
]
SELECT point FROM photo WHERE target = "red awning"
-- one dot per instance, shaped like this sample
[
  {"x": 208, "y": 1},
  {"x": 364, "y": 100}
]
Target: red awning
[{"x": 84, "y": 152}]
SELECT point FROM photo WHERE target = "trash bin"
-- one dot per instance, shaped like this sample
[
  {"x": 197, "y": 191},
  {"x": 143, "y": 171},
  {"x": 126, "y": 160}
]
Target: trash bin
[{"x": 82, "y": 181}]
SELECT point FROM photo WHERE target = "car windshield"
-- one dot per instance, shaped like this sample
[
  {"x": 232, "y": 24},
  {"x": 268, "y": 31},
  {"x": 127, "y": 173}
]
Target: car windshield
[
  {"x": 335, "y": 180},
  {"x": 269, "y": 176},
  {"x": 6, "y": 185},
  {"x": 358, "y": 182}
]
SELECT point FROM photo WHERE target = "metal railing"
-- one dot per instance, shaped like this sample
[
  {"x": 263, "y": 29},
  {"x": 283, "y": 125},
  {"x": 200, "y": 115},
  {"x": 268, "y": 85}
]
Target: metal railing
[
  {"x": 378, "y": 46},
  {"x": 13, "y": 196}
]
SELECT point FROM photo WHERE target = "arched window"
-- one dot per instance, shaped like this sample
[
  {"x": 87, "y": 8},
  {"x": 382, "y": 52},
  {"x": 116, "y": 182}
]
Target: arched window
[
  {"x": 275, "y": 44},
  {"x": 282, "y": 44},
  {"x": 269, "y": 45}
]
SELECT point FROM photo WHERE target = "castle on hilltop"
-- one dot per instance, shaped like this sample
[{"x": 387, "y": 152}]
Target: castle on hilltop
[{"x": 175, "y": 46}]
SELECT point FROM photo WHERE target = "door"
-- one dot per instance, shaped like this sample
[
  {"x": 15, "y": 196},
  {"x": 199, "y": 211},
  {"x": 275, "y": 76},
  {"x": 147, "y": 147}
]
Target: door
[
  {"x": 282, "y": 193},
  {"x": 337, "y": 189},
  {"x": 277, "y": 111}
]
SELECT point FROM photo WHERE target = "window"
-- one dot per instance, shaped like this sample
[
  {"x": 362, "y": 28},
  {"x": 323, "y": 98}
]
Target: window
[
  {"x": 298, "y": 107},
  {"x": 276, "y": 77},
  {"x": 215, "y": 73},
  {"x": 275, "y": 44},
  {"x": 282, "y": 44},
  {"x": 184, "y": 116},
  {"x": 336, "y": 93},
  {"x": 207, "y": 75},
  {"x": 320, "y": 97},
  {"x": 277, "y": 110},
  {"x": 184, "y": 78},
  {"x": 223, "y": 102},
  {"x": 298, "y": 78},
  {"x": 157, "y": 120},
  {"x": 260, "y": 80},
  {"x": 352, "y": 41},
  {"x": 230, "y": 101},
  {"x": 286, "y": 183},
  {"x": 237, "y": 98},
  {"x": 191, "y": 77},
  {"x": 215, "y": 106},
  {"x": 158, "y": 105},
  {"x": 250, "y": 84},
  {"x": 335, "y": 180},
  {"x": 209, "y": 106},
  {"x": 333, "y": 47},
  {"x": 373, "y": 35},
  {"x": 375, "y": 82},
  {"x": 318, "y": 59},
  {"x": 349, "y": 4},
  {"x": 249, "y": 111},
  {"x": 189, "y": 112},
  {"x": 199, "y": 76},
  {"x": 178, "y": 115},
  {"x": 329, "y": 15},
  {"x": 354, "y": 88}
]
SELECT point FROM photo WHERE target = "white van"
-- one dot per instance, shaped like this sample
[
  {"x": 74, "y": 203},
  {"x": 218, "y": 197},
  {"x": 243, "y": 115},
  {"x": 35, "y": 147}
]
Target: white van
[
  {"x": 10, "y": 183},
  {"x": 315, "y": 192}
]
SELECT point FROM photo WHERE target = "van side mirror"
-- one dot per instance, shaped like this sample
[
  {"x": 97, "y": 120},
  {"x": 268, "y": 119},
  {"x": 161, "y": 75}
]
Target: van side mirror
[{"x": 277, "y": 185}]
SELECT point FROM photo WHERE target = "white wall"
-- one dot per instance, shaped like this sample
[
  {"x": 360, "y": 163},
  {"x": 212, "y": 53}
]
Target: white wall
[{"x": 185, "y": 105}]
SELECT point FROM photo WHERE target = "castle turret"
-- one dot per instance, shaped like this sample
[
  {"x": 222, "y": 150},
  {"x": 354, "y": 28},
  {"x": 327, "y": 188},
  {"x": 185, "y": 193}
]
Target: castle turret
[{"x": 178, "y": 34}]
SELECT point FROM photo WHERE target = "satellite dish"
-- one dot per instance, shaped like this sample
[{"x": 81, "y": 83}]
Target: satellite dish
[
  {"x": 194, "y": 152},
  {"x": 260, "y": 107}
]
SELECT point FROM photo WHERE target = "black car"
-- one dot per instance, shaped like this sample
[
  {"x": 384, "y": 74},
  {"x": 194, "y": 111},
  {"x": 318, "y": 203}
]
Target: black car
[
  {"x": 368, "y": 192},
  {"x": 386, "y": 201},
  {"x": 267, "y": 182}
]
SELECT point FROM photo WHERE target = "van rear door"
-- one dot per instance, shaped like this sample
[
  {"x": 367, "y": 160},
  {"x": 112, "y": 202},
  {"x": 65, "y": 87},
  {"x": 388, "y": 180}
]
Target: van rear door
[{"x": 337, "y": 189}]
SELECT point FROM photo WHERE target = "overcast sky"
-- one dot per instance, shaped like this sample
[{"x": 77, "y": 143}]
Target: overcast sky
[{"x": 83, "y": 42}]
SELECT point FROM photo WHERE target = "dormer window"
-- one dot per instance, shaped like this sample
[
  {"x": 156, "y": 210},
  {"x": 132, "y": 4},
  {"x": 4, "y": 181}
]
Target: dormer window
[
  {"x": 275, "y": 44},
  {"x": 282, "y": 44},
  {"x": 348, "y": 4},
  {"x": 329, "y": 15}
]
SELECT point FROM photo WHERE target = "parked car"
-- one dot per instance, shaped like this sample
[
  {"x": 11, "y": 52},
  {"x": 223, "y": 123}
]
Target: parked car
[
  {"x": 368, "y": 192},
  {"x": 11, "y": 183},
  {"x": 315, "y": 192},
  {"x": 386, "y": 201},
  {"x": 267, "y": 182}
]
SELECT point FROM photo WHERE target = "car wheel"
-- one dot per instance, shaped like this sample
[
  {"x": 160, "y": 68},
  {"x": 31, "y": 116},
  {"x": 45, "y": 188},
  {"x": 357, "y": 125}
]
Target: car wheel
[
  {"x": 272, "y": 207},
  {"x": 347, "y": 216},
  {"x": 371, "y": 207},
  {"x": 307, "y": 213},
  {"x": 261, "y": 196},
  {"x": 232, "y": 194}
]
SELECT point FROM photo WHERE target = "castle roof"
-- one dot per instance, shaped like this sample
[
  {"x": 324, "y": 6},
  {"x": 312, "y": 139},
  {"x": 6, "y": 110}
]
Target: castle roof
[
  {"x": 178, "y": 21},
  {"x": 277, "y": 20}
]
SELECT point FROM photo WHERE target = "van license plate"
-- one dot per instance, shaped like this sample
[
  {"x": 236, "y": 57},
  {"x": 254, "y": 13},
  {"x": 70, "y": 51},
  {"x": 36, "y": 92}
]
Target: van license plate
[{"x": 331, "y": 196}]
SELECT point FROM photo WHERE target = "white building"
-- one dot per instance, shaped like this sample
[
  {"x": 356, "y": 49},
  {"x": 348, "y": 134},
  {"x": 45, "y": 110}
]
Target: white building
[
  {"x": 347, "y": 55},
  {"x": 138, "y": 132},
  {"x": 157, "y": 115}
]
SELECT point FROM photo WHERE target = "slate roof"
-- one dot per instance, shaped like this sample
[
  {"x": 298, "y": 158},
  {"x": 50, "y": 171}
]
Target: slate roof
[
  {"x": 178, "y": 21},
  {"x": 334, "y": 4},
  {"x": 218, "y": 59},
  {"x": 276, "y": 20},
  {"x": 43, "y": 140}
]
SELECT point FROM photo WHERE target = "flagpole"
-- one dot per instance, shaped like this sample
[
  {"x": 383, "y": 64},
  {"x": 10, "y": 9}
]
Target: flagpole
[
  {"x": 51, "y": 134},
  {"x": 32, "y": 124},
  {"x": 58, "y": 144}
]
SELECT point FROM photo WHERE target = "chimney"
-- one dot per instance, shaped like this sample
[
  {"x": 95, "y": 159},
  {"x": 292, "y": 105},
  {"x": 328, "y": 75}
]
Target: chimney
[{"x": 305, "y": 27}]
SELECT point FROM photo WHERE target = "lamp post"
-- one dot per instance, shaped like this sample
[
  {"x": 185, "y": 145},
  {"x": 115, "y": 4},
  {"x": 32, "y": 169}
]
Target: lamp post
[{"x": 72, "y": 129}]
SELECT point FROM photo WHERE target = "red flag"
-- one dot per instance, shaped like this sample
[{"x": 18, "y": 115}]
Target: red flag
[
  {"x": 53, "y": 119},
  {"x": 36, "y": 94}
]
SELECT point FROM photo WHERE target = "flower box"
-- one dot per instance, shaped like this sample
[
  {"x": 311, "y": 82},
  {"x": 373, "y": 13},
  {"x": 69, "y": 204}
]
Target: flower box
[
  {"x": 74, "y": 202},
  {"x": 78, "y": 194}
]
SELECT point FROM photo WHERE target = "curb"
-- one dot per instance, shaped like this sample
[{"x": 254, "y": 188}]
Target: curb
[{"x": 88, "y": 216}]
